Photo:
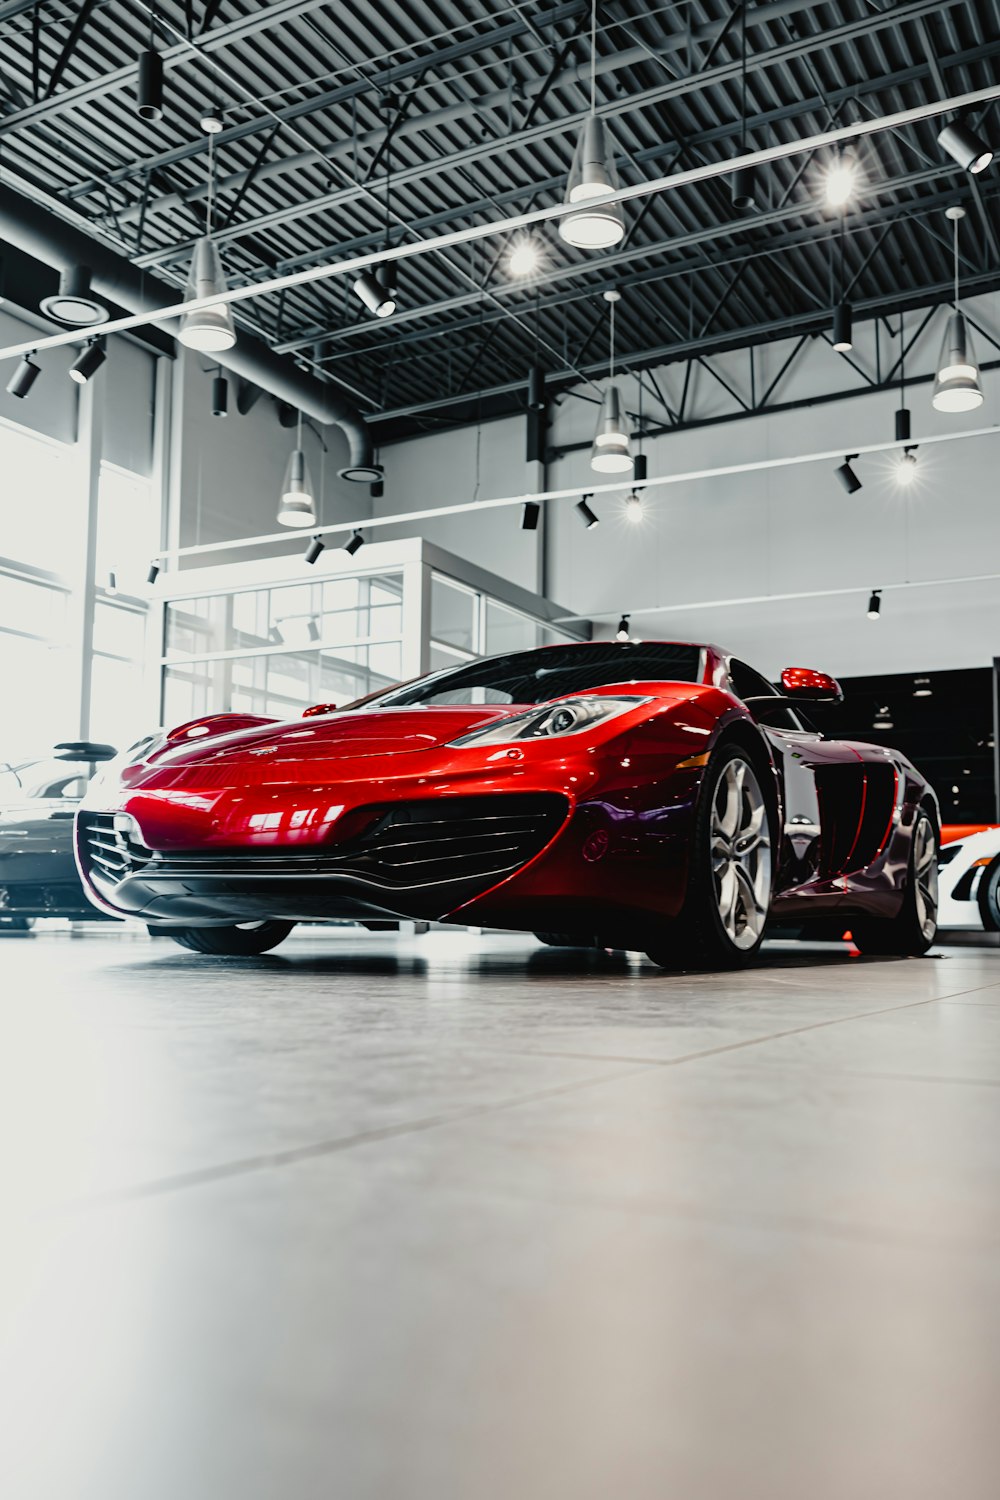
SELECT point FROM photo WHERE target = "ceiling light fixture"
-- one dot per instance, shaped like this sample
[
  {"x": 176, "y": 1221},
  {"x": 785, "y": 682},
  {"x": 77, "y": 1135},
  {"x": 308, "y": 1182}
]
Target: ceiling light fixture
[
  {"x": 843, "y": 327},
  {"x": 841, "y": 180},
  {"x": 220, "y": 395},
  {"x": 921, "y": 687},
  {"x": 376, "y": 296},
  {"x": 73, "y": 303},
  {"x": 741, "y": 186},
  {"x": 622, "y": 632},
  {"x": 610, "y": 453},
  {"x": 154, "y": 572},
  {"x": 23, "y": 378},
  {"x": 957, "y": 387},
  {"x": 354, "y": 544},
  {"x": 149, "y": 90},
  {"x": 88, "y": 361},
  {"x": 297, "y": 507},
  {"x": 525, "y": 257},
  {"x": 591, "y": 175},
  {"x": 536, "y": 387},
  {"x": 883, "y": 719},
  {"x": 314, "y": 549},
  {"x": 530, "y": 515},
  {"x": 588, "y": 516},
  {"x": 633, "y": 508},
  {"x": 875, "y": 604},
  {"x": 964, "y": 146},
  {"x": 211, "y": 328},
  {"x": 847, "y": 476},
  {"x": 906, "y": 469}
]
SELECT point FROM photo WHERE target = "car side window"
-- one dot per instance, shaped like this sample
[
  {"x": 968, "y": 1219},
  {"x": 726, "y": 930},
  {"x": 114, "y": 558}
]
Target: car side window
[{"x": 745, "y": 683}]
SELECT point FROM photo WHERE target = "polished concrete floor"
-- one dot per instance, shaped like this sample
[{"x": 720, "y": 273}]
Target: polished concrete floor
[{"x": 443, "y": 1218}]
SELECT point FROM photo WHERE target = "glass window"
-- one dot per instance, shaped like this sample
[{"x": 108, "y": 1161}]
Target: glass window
[
  {"x": 453, "y": 614},
  {"x": 43, "y": 521},
  {"x": 506, "y": 630},
  {"x": 127, "y": 527}
]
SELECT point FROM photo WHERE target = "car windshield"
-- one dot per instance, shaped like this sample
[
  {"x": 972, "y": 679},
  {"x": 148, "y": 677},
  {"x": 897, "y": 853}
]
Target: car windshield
[
  {"x": 550, "y": 672},
  {"x": 45, "y": 778}
]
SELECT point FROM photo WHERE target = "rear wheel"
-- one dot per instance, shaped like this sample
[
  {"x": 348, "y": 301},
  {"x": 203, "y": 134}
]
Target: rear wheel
[
  {"x": 729, "y": 886},
  {"x": 563, "y": 940},
  {"x": 914, "y": 929},
  {"x": 244, "y": 938},
  {"x": 989, "y": 897}
]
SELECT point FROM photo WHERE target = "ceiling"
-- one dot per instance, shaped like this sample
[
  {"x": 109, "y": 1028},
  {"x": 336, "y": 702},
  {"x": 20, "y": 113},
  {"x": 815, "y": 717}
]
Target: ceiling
[{"x": 469, "y": 113}]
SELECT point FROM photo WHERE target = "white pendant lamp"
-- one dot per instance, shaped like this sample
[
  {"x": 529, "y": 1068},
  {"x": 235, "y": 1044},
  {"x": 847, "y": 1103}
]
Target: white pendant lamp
[
  {"x": 297, "y": 507},
  {"x": 592, "y": 175},
  {"x": 610, "y": 453},
  {"x": 957, "y": 387},
  {"x": 210, "y": 329}
]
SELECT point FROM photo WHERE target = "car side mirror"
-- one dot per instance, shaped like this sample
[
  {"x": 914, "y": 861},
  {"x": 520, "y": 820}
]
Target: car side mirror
[
  {"x": 810, "y": 686},
  {"x": 319, "y": 708}
]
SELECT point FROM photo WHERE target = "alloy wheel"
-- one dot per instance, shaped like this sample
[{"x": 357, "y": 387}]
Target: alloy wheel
[{"x": 741, "y": 854}]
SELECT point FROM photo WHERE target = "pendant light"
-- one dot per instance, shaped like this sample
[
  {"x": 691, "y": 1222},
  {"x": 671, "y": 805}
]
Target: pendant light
[
  {"x": 592, "y": 175},
  {"x": 297, "y": 507},
  {"x": 957, "y": 387},
  {"x": 210, "y": 329},
  {"x": 843, "y": 313},
  {"x": 377, "y": 289},
  {"x": 742, "y": 183},
  {"x": 610, "y": 453}
]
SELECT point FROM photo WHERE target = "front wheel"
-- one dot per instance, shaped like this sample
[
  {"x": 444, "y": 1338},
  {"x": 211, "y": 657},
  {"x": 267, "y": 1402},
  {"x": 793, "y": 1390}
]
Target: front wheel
[
  {"x": 722, "y": 921},
  {"x": 243, "y": 939},
  {"x": 912, "y": 931}
]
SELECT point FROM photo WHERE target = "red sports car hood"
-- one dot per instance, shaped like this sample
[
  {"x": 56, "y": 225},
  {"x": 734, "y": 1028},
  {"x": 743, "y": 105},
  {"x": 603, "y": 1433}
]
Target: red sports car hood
[{"x": 377, "y": 731}]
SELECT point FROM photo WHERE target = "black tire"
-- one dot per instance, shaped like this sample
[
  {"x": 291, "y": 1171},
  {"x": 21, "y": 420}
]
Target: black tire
[
  {"x": 242, "y": 941},
  {"x": 988, "y": 897},
  {"x": 912, "y": 931},
  {"x": 701, "y": 937},
  {"x": 563, "y": 940},
  {"x": 17, "y": 924}
]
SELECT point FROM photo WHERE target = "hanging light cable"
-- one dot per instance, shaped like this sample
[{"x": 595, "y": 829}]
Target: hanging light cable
[
  {"x": 297, "y": 507},
  {"x": 377, "y": 288},
  {"x": 843, "y": 314},
  {"x": 957, "y": 387},
  {"x": 592, "y": 174},
  {"x": 211, "y": 328},
  {"x": 742, "y": 184},
  {"x": 610, "y": 453},
  {"x": 906, "y": 468}
]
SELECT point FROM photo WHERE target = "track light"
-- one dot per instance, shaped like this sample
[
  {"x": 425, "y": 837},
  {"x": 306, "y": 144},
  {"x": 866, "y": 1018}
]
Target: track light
[
  {"x": 355, "y": 544},
  {"x": 589, "y": 517},
  {"x": 957, "y": 387},
  {"x": 315, "y": 547},
  {"x": 633, "y": 508},
  {"x": 210, "y": 329},
  {"x": 529, "y": 515},
  {"x": 312, "y": 629},
  {"x": 74, "y": 303},
  {"x": 921, "y": 687},
  {"x": 622, "y": 633},
  {"x": 843, "y": 321},
  {"x": 964, "y": 146},
  {"x": 525, "y": 256},
  {"x": 377, "y": 297},
  {"x": 841, "y": 179},
  {"x": 154, "y": 572},
  {"x": 220, "y": 396},
  {"x": 88, "y": 361},
  {"x": 906, "y": 469},
  {"x": 883, "y": 719},
  {"x": 23, "y": 378},
  {"x": 847, "y": 476},
  {"x": 275, "y": 636},
  {"x": 149, "y": 93},
  {"x": 875, "y": 604},
  {"x": 111, "y": 587}
]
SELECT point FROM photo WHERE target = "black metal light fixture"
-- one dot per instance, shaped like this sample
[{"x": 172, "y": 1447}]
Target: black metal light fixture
[
  {"x": 875, "y": 604},
  {"x": 843, "y": 327},
  {"x": 88, "y": 361},
  {"x": 741, "y": 184},
  {"x": 622, "y": 633},
  {"x": 149, "y": 91},
  {"x": 965, "y": 147},
  {"x": 536, "y": 387},
  {"x": 377, "y": 489},
  {"x": 530, "y": 515},
  {"x": 220, "y": 395},
  {"x": 23, "y": 378},
  {"x": 111, "y": 587},
  {"x": 589, "y": 517},
  {"x": 847, "y": 476},
  {"x": 315, "y": 547},
  {"x": 355, "y": 544},
  {"x": 154, "y": 572}
]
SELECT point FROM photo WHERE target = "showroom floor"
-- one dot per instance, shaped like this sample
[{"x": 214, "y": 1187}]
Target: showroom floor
[{"x": 452, "y": 1219}]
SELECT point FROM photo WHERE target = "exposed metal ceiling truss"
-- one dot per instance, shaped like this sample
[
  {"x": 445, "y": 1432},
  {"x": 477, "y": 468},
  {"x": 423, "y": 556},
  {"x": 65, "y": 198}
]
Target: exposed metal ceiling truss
[{"x": 464, "y": 114}]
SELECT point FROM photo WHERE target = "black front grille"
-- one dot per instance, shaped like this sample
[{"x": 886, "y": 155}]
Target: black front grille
[{"x": 404, "y": 847}]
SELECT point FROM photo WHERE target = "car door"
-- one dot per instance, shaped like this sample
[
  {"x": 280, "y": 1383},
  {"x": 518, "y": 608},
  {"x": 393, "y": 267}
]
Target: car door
[{"x": 823, "y": 792}]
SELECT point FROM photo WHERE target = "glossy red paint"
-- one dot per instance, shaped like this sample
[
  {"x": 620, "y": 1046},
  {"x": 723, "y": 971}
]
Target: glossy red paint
[
  {"x": 331, "y": 817},
  {"x": 805, "y": 682}
]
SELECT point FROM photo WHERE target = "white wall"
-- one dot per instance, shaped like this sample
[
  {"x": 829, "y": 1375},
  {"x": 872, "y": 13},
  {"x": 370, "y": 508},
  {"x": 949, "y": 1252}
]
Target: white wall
[{"x": 774, "y": 532}]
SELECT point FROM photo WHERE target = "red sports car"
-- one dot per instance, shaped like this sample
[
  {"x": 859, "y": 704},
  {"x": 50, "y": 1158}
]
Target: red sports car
[{"x": 649, "y": 795}]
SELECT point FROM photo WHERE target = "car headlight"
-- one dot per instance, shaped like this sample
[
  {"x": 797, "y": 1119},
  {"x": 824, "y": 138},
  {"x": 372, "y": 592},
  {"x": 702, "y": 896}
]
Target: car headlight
[{"x": 554, "y": 720}]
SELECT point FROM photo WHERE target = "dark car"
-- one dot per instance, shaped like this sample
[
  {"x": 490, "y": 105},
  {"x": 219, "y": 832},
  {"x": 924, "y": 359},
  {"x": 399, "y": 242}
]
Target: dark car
[{"x": 38, "y": 798}]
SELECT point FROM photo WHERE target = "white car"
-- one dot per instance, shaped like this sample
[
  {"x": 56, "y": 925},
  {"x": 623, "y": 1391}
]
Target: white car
[{"x": 969, "y": 878}]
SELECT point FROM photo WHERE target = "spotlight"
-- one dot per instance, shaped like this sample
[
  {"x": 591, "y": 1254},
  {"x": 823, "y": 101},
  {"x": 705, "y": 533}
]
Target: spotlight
[
  {"x": 622, "y": 633},
  {"x": 355, "y": 544},
  {"x": 154, "y": 572},
  {"x": 89, "y": 361},
  {"x": 525, "y": 256},
  {"x": 23, "y": 378},
  {"x": 73, "y": 303},
  {"x": 111, "y": 587},
  {"x": 536, "y": 387},
  {"x": 906, "y": 469},
  {"x": 315, "y": 547},
  {"x": 964, "y": 146},
  {"x": 875, "y": 604},
  {"x": 633, "y": 508},
  {"x": 841, "y": 180},
  {"x": 220, "y": 396},
  {"x": 883, "y": 719},
  {"x": 529, "y": 515},
  {"x": 275, "y": 636},
  {"x": 149, "y": 94},
  {"x": 377, "y": 489},
  {"x": 843, "y": 320},
  {"x": 921, "y": 687},
  {"x": 589, "y": 517},
  {"x": 312, "y": 629},
  {"x": 847, "y": 476},
  {"x": 375, "y": 295},
  {"x": 741, "y": 188}
]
